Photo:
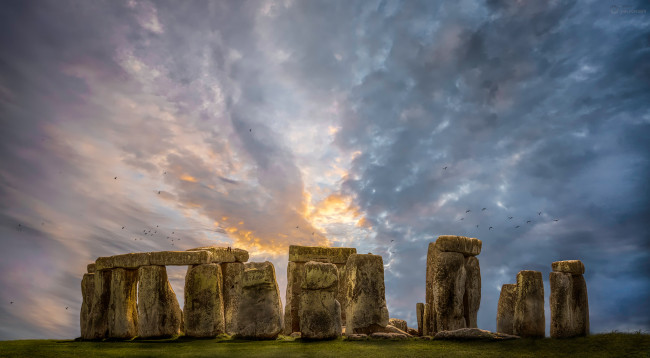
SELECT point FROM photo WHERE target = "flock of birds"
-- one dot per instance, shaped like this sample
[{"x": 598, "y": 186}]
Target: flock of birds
[{"x": 539, "y": 213}]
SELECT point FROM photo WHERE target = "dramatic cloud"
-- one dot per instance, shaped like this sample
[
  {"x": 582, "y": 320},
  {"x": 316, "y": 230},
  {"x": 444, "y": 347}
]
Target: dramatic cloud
[{"x": 140, "y": 126}]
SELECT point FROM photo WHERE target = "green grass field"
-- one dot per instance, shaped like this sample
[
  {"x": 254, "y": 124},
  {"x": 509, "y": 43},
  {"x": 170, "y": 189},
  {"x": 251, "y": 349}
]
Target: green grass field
[{"x": 599, "y": 345}]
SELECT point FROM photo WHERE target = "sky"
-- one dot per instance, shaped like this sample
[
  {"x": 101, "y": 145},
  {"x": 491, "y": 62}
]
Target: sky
[{"x": 135, "y": 126}]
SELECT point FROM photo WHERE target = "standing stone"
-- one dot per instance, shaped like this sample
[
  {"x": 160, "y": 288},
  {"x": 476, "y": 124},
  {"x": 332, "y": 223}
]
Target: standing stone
[
  {"x": 320, "y": 312},
  {"x": 260, "y": 309},
  {"x": 159, "y": 314},
  {"x": 295, "y": 272},
  {"x": 98, "y": 319},
  {"x": 232, "y": 288},
  {"x": 568, "y": 300},
  {"x": 203, "y": 311},
  {"x": 453, "y": 284},
  {"x": 506, "y": 309},
  {"x": 529, "y": 305},
  {"x": 364, "y": 279},
  {"x": 398, "y": 323},
  {"x": 87, "y": 294},
  {"x": 419, "y": 312},
  {"x": 472, "y": 298},
  {"x": 123, "y": 307}
]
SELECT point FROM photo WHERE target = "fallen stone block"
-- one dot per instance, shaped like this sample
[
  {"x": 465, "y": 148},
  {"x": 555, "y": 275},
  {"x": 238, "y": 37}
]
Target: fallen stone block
[
  {"x": 203, "y": 311},
  {"x": 413, "y": 332},
  {"x": 399, "y": 323},
  {"x": 356, "y": 337},
  {"x": 159, "y": 314},
  {"x": 392, "y": 329},
  {"x": 389, "y": 336},
  {"x": 473, "y": 334}
]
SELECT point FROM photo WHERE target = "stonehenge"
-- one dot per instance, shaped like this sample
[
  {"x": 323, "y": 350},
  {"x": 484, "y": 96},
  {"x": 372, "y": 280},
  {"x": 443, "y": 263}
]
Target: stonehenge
[
  {"x": 129, "y": 295},
  {"x": 330, "y": 292},
  {"x": 453, "y": 284},
  {"x": 366, "y": 310},
  {"x": 568, "y": 300},
  {"x": 521, "y": 306},
  {"x": 319, "y": 310},
  {"x": 298, "y": 257}
]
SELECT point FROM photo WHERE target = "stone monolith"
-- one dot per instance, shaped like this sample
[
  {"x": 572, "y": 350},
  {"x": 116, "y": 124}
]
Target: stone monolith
[
  {"x": 203, "y": 310},
  {"x": 529, "y": 305},
  {"x": 260, "y": 309},
  {"x": 159, "y": 314},
  {"x": 232, "y": 289},
  {"x": 123, "y": 307},
  {"x": 506, "y": 308},
  {"x": 366, "y": 301},
  {"x": 320, "y": 312},
  {"x": 568, "y": 300},
  {"x": 87, "y": 295},
  {"x": 419, "y": 312},
  {"x": 98, "y": 317}
]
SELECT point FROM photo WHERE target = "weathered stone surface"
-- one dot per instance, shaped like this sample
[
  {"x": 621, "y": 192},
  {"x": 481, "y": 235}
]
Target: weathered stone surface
[
  {"x": 413, "y": 331},
  {"x": 295, "y": 273},
  {"x": 128, "y": 261},
  {"x": 203, "y": 310},
  {"x": 159, "y": 313},
  {"x": 390, "y": 336},
  {"x": 222, "y": 254},
  {"x": 529, "y": 305},
  {"x": 392, "y": 329},
  {"x": 180, "y": 258},
  {"x": 87, "y": 294},
  {"x": 506, "y": 309},
  {"x": 295, "y": 335},
  {"x": 123, "y": 307},
  {"x": 449, "y": 276},
  {"x": 232, "y": 288},
  {"x": 260, "y": 311},
  {"x": 335, "y": 255},
  {"x": 342, "y": 291},
  {"x": 356, "y": 337},
  {"x": 91, "y": 268},
  {"x": 419, "y": 313},
  {"x": 366, "y": 302},
  {"x": 399, "y": 323},
  {"x": 319, "y": 312},
  {"x": 467, "y": 246},
  {"x": 569, "y": 306},
  {"x": 466, "y": 334},
  {"x": 575, "y": 267},
  {"x": 428, "y": 321},
  {"x": 98, "y": 317},
  {"x": 472, "y": 298}
]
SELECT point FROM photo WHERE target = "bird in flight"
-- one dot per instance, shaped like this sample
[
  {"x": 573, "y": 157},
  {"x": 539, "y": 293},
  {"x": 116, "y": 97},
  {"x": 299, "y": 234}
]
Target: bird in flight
[
  {"x": 66, "y": 308},
  {"x": 11, "y": 303},
  {"x": 516, "y": 227},
  {"x": 539, "y": 213},
  {"x": 122, "y": 227},
  {"x": 528, "y": 222},
  {"x": 467, "y": 211},
  {"x": 509, "y": 217},
  {"x": 555, "y": 220},
  {"x": 115, "y": 178},
  {"x": 250, "y": 129},
  {"x": 483, "y": 209},
  {"x": 158, "y": 191},
  {"x": 445, "y": 168},
  {"x": 462, "y": 218},
  {"x": 392, "y": 240},
  {"x": 165, "y": 173},
  {"x": 490, "y": 228},
  {"x": 296, "y": 226},
  {"x": 476, "y": 225}
]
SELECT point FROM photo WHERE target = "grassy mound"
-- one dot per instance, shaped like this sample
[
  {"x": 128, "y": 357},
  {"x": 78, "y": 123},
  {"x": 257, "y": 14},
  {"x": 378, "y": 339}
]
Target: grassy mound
[{"x": 599, "y": 345}]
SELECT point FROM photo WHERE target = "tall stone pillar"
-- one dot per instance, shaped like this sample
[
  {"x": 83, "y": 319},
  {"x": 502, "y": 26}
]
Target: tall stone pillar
[
  {"x": 320, "y": 312},
  {"x": 529, "y": 305},
  {"x": 98, "y": 317},
  {"x": 87, "y": 294},
  {"x": 506, "y": 309},
  {"x": 568, "y": 300},
  {"x": 123, "y": 306},
  {"x": 203, "y": 311},
  {"x": 232, "y": 290},
  {"x": 159, "y": 314},
  {"x": 260, "y": 309},
  {"x": 453, "y": 284},
  {"x": 366, "y": 294},
  {"x": 419, "y": 312}
]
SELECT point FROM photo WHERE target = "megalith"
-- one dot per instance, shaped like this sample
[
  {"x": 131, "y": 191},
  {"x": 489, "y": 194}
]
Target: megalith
[
  {"x": 366, "y": 310},
  {"x": 398, "y": 323},
  {"x": 319, "y": 310},
  {"x": 298, "y": 256},
  {"x": 419, "y": 313},
  {"x": 529, "y": 305},
  {"x": 568, "y": 300},
  {"x": 123, "y": 306},
  {"x": 203, "y": 310},
  {"x": 453, "y": 284},
  {"x": 232, "y": 289},
  {"x": 260, "y": 309},
  {"x": 506, "y": 309},
  {"x": 159, "y": 314},
  {"x": 100, "y": 302},
  {"x": 87, "y": 295}
]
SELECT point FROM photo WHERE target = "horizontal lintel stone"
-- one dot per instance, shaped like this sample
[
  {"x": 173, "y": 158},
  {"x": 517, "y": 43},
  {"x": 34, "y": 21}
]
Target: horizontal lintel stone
[
  {"x": 467, "y": 246},
  {"x": 222, "y": 254},
  {"x": 180, "y": 258},
  {"x": 335, "y": 255},
  {"x": 575, "y": 267}
]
